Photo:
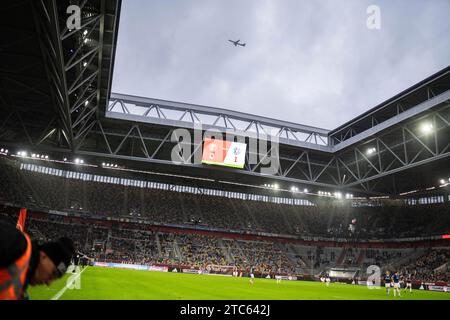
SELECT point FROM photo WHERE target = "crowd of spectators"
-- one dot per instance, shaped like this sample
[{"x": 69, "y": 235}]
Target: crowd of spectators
[
  {"x": 382, "y": 257},
  {"x": 135, "y": 243},
  {"x": 431, "y": 267},
  {"x": 49, "y": 192}
]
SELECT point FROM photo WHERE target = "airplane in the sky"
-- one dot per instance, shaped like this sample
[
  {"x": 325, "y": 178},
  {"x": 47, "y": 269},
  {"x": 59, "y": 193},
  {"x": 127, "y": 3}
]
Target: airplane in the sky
[{"x": 236, "y": 43}]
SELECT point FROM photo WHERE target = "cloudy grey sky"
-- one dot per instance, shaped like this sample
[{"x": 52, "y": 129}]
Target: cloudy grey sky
[{"x": 310, "y": 62}]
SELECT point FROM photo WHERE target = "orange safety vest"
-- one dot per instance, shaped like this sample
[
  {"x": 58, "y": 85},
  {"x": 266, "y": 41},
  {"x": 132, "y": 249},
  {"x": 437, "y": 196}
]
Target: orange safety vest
[{"x": 12, "y": 278}]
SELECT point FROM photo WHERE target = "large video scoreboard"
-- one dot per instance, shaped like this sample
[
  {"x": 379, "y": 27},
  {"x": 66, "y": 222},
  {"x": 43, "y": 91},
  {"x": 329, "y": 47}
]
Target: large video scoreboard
[{"x": 224, "y": 153}]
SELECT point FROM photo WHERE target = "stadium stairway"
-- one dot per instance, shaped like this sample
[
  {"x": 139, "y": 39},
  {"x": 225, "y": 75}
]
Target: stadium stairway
[
  {"x": 158, "y": 244},
  {"x": 176, "y": 250},
  {"x": 225, "y": 252},
  {"x": 254, "y": 221},
  {"x": 361, "y": 257},
  {"x": 341, "y": 258},
  {"x": 236, "y": 214},
  {"x": 183, "y": 210}
]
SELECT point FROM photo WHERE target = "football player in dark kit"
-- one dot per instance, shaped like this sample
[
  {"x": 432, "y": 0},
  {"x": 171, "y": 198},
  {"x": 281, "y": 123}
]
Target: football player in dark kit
[
  {"x": 387, "y": 282},
  {"x": 396, "y": 284}
]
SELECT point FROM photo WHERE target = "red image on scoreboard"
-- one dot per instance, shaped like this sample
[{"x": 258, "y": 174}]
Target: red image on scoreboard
[{"x": 224, "y": 153}]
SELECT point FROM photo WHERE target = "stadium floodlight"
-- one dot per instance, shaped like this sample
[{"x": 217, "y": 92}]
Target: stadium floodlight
[
  {"x": 371, "y": 151},
  {"x": 103, "y": 164},
  {"x": 426, "y": 128},
  {"x": 338, "y": 195},
  {"x": 65, "y": 159},
  {"x": 275, "y": 186},
  {"x": 42, "y": 156},
  {"x": 32, "y": 155},
  {"x": 115, "y": 166},
  {"x": 1, "y": 150},
  {"x": 305, "y": 190},
  {"x": 86, "y": 103},
  {"x": 442, "y": 181},
  {"x": 84, "y": 64},
  {"x": 46, "y": 157},
  {"x": 86, "y": 40},
  {"x": 81, "y": 161},
  {"x": 85, "y": 32}
]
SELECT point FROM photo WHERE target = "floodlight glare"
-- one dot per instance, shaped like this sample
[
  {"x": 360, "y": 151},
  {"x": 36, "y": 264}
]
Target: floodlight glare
[{"x": 426, "y": 128}]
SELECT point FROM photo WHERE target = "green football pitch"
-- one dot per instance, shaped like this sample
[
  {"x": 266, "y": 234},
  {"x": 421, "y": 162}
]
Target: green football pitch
[{"x": 97, "y": 283}]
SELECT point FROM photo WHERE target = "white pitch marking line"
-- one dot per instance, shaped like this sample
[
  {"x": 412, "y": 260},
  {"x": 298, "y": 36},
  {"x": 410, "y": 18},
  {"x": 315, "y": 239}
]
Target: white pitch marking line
[{"x": 61, "y": 292}]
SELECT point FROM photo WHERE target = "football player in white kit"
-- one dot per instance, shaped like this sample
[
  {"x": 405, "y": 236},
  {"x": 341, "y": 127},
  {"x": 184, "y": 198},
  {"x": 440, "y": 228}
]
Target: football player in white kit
[
  {"x": 278, "y": 276},
  {"x": 327, "y": 279},
  {"x": 252, "y": 276},
  {"x": 235, "y": 272}
]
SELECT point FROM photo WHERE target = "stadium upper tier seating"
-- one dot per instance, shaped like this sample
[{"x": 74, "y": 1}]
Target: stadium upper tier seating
[{"x": 47, "y": 192}]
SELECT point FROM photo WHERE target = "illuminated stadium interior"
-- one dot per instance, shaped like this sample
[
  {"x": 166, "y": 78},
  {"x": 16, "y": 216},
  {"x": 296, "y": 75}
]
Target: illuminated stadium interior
[{"x": 97, "y": 165}]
